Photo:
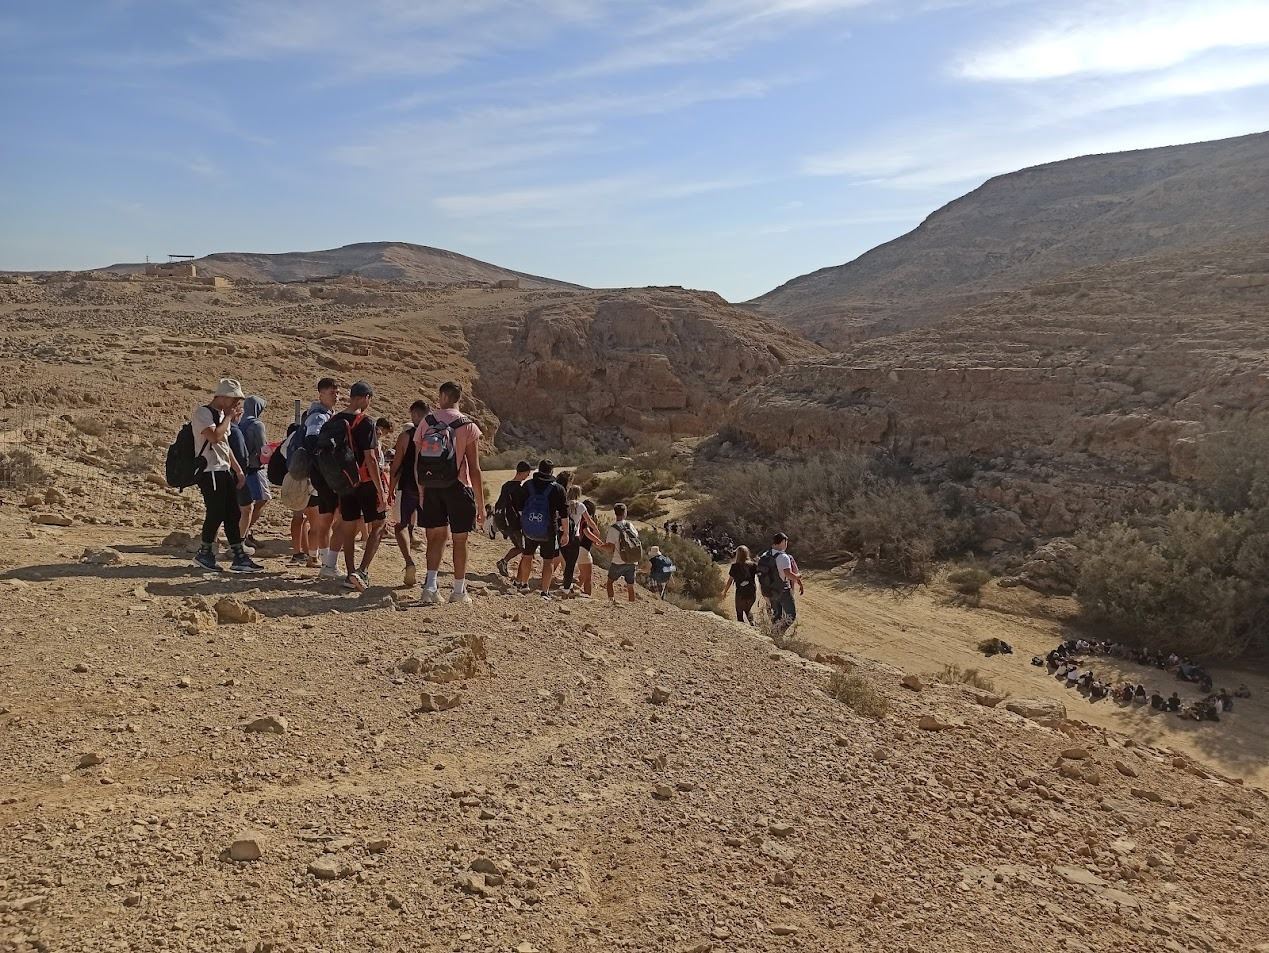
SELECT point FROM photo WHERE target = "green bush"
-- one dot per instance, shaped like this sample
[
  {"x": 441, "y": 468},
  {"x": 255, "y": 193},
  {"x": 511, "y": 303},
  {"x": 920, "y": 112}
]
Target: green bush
[
  {"x": 835, "y": 506},
  {"x": 1233, "y": 469},
  {"x": 1197, "y": 584},
  {"x": 616, "y": 489}
]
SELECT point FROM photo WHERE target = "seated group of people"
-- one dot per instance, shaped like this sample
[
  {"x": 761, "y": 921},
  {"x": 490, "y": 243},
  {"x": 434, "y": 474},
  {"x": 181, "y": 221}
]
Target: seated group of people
[{"x": 1065, "y": 664}]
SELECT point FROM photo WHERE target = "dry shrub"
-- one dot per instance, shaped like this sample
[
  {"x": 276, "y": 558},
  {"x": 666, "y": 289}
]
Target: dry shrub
[
  {"x": 968, "y": 583},
  {"x": 93, "y": 426},
  {"x": 954, "y": 674},
  {"x": 615, "y": 489},
  {"x": 835, "y": 506},
  {"x": 19, "y": 467},
  {"x": 857, "y": 694}
]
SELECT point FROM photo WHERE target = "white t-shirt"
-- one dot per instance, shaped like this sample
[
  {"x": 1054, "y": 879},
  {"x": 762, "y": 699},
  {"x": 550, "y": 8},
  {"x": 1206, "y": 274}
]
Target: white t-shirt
[
  {"x": 614, "y": 536},
  {"x": 216, "y": 453},
  {"x": 784, "y": 563}
]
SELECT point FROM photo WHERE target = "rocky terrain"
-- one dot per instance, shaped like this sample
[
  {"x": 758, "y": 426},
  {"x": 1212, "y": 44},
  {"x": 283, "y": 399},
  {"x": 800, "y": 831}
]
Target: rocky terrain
[
  {"x": 566, "y": 365},
  {"x": 382, "y": 261},
  {"x": 1032, "y": 226},
  {"x": 1069, "y": 400},
  {"x": 193, "y": 762}
]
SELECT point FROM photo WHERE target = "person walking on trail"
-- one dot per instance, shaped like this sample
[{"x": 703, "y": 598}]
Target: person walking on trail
[
  {"x": 323, "y": 512},
  {"x": 660, "y": 569},
  {"x": 544, "y": 524},
  {"x": 571, "y": 551},
  {"x": 367, "y": 502},
  {"x": 447, "y": 469},
  {"x": 507, "y": 514},
  {"x": 743, "y": 574},
  {"x": 255, "y": 492},
  {"x": 623, "y": 542},
  {"x": 590, "y": 538},
  {"x": 220, "y": 478},
  {"x": 295, "y": 497},
  {"x": 404, "y": 490},
  {"x": 778, "y": 574}
]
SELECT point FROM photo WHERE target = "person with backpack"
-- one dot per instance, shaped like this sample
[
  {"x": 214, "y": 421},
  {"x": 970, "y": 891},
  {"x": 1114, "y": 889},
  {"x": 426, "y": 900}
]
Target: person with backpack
[
  {"x": 294, "y": 495},
  {"x": 660, "y": 570},
  {"x": 743, "y": 574},
  {"x": 590, "y": 538},
  {"x": 219, "y": 475},
  {"x": 777, "y": 573},
  {"x": 544, "y": 525},
  {"x": 348, "y": 460},
  {"x": 506, "y": 514},
  {"x": 403, "y": 490},
  {"x": 324, "y": 503},
  {"x": 623, "y": 542},
  {"x": 255, "y": 493},
  {"x": 447, "y": 470}
]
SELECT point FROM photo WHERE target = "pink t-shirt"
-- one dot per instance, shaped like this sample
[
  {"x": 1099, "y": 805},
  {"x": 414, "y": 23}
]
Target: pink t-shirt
[{"x": 463, "y": 437}]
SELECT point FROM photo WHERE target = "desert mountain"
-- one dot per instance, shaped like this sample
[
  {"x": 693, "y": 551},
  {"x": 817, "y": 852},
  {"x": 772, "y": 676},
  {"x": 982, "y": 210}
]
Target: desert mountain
[
  {"x": 1070, "y": 398},
  {"x": 1032, "y": 226},
  {"x": 384, "y": 261}
]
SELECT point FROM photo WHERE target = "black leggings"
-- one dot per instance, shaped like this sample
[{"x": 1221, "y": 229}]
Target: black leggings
[
  {"x": 744, "y": 608},
  {"x": 220, "y": 495},
  {"x": 571, "y": 552}
]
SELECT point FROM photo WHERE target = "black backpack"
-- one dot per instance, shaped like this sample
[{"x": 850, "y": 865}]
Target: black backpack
[
  {"x": 335, "y": 457},
  {"x": 276, "y": 469},
  {"x": 184, "y": 464},
  {"x": 769, "y": 579}
]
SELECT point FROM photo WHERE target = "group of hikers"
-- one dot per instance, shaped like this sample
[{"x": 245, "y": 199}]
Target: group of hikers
[
  {"x": 1065, "y": 663},
  {"x": 340, "y": 478}
]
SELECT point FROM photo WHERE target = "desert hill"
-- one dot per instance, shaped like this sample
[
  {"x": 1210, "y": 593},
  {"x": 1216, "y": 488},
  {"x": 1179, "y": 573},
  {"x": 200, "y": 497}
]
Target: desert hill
[
  {"x": 384, "y": 261},
  {"x": 1073, "y": 398},
  {"x": 1032, "y": 226}
]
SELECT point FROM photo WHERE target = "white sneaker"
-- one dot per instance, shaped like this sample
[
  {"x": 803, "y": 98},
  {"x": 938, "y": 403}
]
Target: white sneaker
[
  {"x": 429, "y": 597},
  {"x": 460, "y": 597},
  {"x": 328, "y": 572}
]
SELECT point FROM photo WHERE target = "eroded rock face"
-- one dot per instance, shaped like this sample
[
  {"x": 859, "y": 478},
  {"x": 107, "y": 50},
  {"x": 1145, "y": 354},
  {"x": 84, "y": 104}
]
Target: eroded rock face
[
  {"x": 650, "y": 361},
  {"x": 1072, "y": 399}
]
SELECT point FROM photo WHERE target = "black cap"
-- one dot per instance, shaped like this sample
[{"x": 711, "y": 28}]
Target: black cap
[
  {"x": 546, "y": 467},
  {"x": 524, "y": 466},
  {"x": 361, "y": 389}
]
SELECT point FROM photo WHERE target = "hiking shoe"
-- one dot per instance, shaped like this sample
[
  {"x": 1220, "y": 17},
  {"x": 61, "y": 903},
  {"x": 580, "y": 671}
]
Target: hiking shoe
[
  {"x": 503, "y": 569},
  {"x": 207, "y": 559},
  {"x": 310, "y": 562},
  {"x": 245, "y": 563},
  {"x": 429, "y": 597},
  {"x": 299, "y": 559},
  {"x": 411, "y": 574},
  {"x": 250, "y": 540},
  {"x": 328, "y": 572},
  {"x": 461, "y": 598}
]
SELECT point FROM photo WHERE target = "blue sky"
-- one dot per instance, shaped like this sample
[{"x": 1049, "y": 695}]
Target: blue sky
[{"x": 723, "y": 144}]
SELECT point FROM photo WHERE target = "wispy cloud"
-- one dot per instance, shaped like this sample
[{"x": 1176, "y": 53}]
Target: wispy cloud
[
  {"x": 588, "y": 195},
  {"x": 1090, "y": 39}
]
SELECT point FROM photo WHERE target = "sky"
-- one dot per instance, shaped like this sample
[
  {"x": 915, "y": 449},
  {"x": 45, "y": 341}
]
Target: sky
[{"x": 720, "y": 144}]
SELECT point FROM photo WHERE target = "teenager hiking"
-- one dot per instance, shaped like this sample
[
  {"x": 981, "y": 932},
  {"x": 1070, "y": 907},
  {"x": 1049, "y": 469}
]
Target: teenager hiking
[
  {"x": 255, "y": 493},
  {"x": 220, "y": 477},
  {"x": 777, "y": 574},
  {"x": 622, "y": 541},
  {"x": 544, "y": 523},
  {"x": 661, "y": 569},
  {"x": 404, "y": 490},
  {"x": 447, "y": 469},
  {"x": 506, "y": 514},
  {"x": 348, "y": 451},
  {"x": 743, "y": 574},
  {"x": 590, "y": 539},
  {"x": 324, "y": 503}
]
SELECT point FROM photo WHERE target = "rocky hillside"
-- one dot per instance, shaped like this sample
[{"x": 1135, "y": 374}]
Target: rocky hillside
[
  {"x": 383, "y": 261},
  {"x": 653, "y": 361},
  {"x": 1069, "y": 397},
  {"x": 1032, "y": 226},
  {"x": 563, "y": 366}
]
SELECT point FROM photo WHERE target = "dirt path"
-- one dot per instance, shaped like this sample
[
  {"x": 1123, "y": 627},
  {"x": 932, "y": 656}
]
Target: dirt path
[{"x": 922, "y": 631}]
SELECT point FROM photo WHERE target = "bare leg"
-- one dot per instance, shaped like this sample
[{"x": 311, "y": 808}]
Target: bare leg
[
  {"x": 403, "y": 542},
  {"x": 612, "y": 597},
  {"x": 584, "y": 574},
  {"x": 548, "y": 571},
  {"x": 525, "y": 569},
  {"x": 374, "y": 533},
  {"x": 436, "y": 547},
  {"x": 347, "y": 536},
  {"x": 460, "y": 556},
  {"x": 298, "y": 542}
]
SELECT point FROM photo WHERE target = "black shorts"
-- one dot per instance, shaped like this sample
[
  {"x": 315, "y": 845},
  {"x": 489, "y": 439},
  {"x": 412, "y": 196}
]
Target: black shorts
[
  {"x": 452, "y": 506},
  {"x": 549, "y": 548},
  {"x": 327, "y": 501},
  {"x": 361, "y": 504}
]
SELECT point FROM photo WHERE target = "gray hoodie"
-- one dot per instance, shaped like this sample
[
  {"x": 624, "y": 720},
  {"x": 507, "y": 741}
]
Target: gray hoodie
[{"x": 252, "y": 428}]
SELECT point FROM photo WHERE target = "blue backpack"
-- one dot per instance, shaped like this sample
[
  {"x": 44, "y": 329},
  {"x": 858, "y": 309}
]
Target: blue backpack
[{"x": 535, "y": 518}]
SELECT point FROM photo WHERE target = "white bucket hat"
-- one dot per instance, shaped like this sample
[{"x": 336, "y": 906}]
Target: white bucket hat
[
  {"x": 654, "y": 551},
  {"x": 228, "y": 387}
]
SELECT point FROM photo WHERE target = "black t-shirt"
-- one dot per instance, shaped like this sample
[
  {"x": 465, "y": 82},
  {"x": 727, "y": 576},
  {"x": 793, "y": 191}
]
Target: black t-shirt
[
  {"x": 511, "y": 498},
  {"x": 364, "y": 437},
  {"x": 743, "y": 575},
  {"x": 406, "y": 479}
]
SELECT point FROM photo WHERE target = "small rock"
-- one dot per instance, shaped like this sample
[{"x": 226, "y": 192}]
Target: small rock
[
  {"x": 474, "y": 884},
  {"x": 784, "y": 929},
  {"x": 229, "y": 609},
  {"x": 90, "y": 758},
  {"x": 101, "y": 557},
  {"x": 1147, "y": 795},
  {"x": 332, "y": 867},
  {"x": 269, "y": 724},
  {"x": 662, "y": 792},
  {"x": 1076, "y": 754},
  {"x": 183, "y": 682},
  {"x": 378, "y": 845},
  {"x": 245, "y": 847},
  {"x": 81, "y": 668},
  {"x": 660, "y": 695},
  {"x": 437, "y": 701},
  {"x": 780, "y": 828},
  {"x": 1125, "y": 769},
  {"x": 934, "y": 723},
  {"x": 913, "y": 682}
]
